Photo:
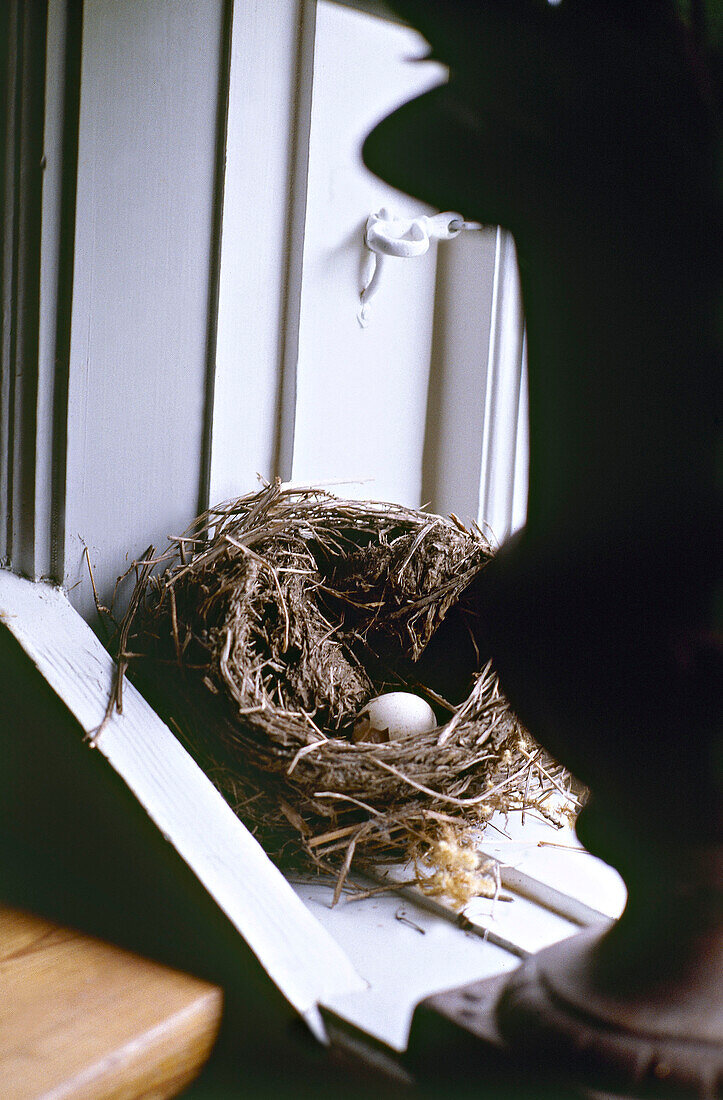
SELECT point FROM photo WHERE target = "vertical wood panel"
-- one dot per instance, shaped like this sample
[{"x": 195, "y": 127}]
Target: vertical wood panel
[
  {"x": 503, "y": 404},
  {"x": 361, "y": 393},
  {"x": 60, "y": 151},
  {"x": 522, "y": 453},
  {"x": 285, "y": 440},
  {"x": 6, "y": 79},
  {"x": 265, "y": 187},
  {"x": 150, "y": 86},
  {"x": 458, "y": 380},
  {"x": 24, "y": 450},
  {"x": 40, "y": 51},
  {"x": 10, "y": 64}
]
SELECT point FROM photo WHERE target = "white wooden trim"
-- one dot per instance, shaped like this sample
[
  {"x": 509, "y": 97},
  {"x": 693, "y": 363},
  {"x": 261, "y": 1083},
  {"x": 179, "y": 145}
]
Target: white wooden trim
[
  {"x": 522, "y": 453},
  {"x": 476, "y": 444},
  {"x": 152, "y": 79},
  {"x": 475, "y": 439},
  {"x": 407, "y": 951},
  {"x": 41, "y": 40},
  {"x": 294, "y": 266},
  {"x": 551, "y": 868},
  {"x": 262, "y": 244},
  {"x": 502, "y": 499},
  {"x": 458, "y": 377},
  {"x": 24, "y": 46},
  {"x": 108, "y": 316},
  {"x": 301, "y": 958},
  {"x": 361, "y": 391}
]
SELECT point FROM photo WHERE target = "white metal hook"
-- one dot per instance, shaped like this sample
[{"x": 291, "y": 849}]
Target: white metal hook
[
  {"x": 386, "y": 235},
  {"x": 390, "y": 236}
]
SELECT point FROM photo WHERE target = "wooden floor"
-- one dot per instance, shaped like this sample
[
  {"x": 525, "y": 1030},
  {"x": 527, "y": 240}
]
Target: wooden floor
[{"x": 80, "y": 1018}]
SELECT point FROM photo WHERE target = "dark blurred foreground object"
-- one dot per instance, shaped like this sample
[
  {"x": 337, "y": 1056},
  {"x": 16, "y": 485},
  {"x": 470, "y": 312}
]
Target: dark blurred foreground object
[{"x": 592, "y": 131}]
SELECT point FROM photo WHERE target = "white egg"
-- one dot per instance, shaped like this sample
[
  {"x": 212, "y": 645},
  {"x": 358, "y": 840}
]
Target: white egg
[{"x": 396, "y": 714}]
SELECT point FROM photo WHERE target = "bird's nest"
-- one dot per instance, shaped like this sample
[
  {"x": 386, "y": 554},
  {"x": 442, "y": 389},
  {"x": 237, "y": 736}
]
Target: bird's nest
[{"x": 262, "y": 631}]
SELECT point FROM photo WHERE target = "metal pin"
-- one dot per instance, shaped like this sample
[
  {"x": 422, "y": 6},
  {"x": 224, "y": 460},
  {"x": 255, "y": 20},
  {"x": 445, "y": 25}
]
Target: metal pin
[{"x": 404, "y": 919}]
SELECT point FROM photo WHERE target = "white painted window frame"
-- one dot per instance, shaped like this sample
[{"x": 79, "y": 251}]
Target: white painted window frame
[
  {"x": 61, "y": 508},
  {"x": 479, "y": 439},
  {"x": 476, "y": 447},
  {"x": 37, "y": 426},
  {"x": 262, "y": 242}
]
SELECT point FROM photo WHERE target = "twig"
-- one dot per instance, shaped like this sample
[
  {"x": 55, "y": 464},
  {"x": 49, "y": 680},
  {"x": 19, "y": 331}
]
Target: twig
[
  {"x": 345, "y": 867},
  {"x": 100, "y": 608},
  {"x": 304, "y": 751},
  {"x": 115, "y": 701},
  {"x": 566, "y": 794}
]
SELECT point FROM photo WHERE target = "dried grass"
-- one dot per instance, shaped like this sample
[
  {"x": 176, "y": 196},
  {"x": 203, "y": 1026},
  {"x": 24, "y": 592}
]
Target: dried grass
[{"x": 261, "y": 632}]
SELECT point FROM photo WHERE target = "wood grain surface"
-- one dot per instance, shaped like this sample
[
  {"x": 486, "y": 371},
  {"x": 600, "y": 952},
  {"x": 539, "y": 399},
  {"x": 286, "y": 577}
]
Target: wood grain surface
[{"x": 80, "y": 1018}]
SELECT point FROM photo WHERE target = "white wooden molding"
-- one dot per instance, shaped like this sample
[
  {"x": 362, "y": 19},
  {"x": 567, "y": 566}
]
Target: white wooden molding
[
  {"x": 301, "y": 958},
  {"x": 407, "y": 951},
  {"x": 476, "y": 446},
  {"x": 458, "y": 377},
  {"x": 110, "y": 152},
  {"x": 41, "y": 43},
  {"x": 152, "y": 79},
  {"x": 264, "y": 204},
  {"x": 503, "y": 474},
  {"x": 361, "y": 393},
  {"x": 23, "y": 35}
]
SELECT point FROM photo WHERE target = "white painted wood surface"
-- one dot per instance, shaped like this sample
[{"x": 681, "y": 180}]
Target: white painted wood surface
[
  {"x": 503, "y": 473},
  {"x": 301, "y": 390},
  {"x": 405, "y": 951},
  {"x": 269, "y": 93},
  {"x": 38, "y": 73},
  {"x": 458, "y": 377},
  {"x": 513, "y": 921},
  {"x": 143, "y": 311},
  {"x": 524, "y": 924},
  {"x": 150, "y": 87},
  {"x": 361, "y": 394},
  {"x": 302, "y": 959},
  {"x": 551, "y": 866}
]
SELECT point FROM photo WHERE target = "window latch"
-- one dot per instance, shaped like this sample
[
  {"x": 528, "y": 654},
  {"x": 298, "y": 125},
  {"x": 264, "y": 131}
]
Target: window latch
[{"x": 386, "y": 235}]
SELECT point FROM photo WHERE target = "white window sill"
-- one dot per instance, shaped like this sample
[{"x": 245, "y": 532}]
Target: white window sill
[{"x": 369, "y": 961}]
